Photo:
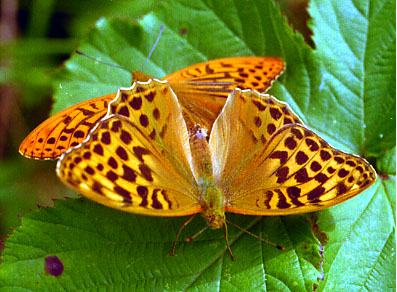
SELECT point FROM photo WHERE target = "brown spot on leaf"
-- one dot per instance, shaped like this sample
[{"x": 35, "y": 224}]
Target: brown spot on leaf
[{"x": 53, "y": 266}]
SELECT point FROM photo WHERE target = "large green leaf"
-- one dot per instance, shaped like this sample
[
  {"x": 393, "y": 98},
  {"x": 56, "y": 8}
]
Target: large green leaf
[
  {"x": 355, "y": 41},
  {"x": 107, "y": 250}
]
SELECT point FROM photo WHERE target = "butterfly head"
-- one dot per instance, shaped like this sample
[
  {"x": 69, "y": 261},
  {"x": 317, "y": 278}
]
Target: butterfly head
[{"x": 215, "y": 217}]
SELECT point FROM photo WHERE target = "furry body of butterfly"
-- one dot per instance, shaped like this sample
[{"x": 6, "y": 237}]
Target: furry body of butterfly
[{"x": 211, "y": 197}]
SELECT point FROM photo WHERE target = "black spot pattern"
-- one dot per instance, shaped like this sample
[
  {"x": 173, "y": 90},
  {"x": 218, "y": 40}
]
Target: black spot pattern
[
  {"x": 301, "y": 158},
  {"x": 271, "y": 128},
  {"x": 282, "y": 155},
  {"x": 136, "y": 103},
  {"x": 79, "y": 134},
  {"x": 143, "y": 192},
  {"x": 98, "y": 149},
  {"x": 51, "y": 140},
  {"x": 290, "y": 143},
  {"x": 315, "y": 166}
]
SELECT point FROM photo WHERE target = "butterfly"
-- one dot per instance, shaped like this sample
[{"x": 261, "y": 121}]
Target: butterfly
[
  {"x": 202, "y": 90},
  {"x": 260, "y": 159}
]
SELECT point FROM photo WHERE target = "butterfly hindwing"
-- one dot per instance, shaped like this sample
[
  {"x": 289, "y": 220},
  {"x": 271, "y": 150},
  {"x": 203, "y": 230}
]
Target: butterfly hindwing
[{"x": 137, "y": 158}]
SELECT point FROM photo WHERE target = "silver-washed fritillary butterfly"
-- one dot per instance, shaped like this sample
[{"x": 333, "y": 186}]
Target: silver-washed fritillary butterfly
[
  {"x": 260, "y": 159},
  {"x": 202, "y": 90}
]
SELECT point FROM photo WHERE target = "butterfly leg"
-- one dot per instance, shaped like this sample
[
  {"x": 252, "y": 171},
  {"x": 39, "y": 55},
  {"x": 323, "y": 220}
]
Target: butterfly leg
[
  {"x": 227, "y": 243},
  {"x": 179, "y": 233}
]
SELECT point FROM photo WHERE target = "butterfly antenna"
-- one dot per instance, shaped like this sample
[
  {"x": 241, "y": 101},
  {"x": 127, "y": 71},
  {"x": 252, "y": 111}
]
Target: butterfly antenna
[
  {"x": 256, "y": 236},
  {"x": 154, "y": 46},
  {"x": 102, "y": 62},
  {"x": 179, "y": 233}
]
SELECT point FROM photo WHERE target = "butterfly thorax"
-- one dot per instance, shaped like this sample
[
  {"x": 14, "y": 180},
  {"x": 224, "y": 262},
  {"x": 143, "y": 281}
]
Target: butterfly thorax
[{"x": 210, "y": 194}]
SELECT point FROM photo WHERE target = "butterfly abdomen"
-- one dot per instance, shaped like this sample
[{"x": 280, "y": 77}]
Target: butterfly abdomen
[{"x": 211, "y": 197}]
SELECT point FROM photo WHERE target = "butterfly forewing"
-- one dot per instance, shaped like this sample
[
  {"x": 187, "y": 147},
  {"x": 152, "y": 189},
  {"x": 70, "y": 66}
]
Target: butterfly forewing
[
  {"x": 137, "y": 158},
  {"x": 202, "y": 90},
  {"x": 65, "y": 130}
]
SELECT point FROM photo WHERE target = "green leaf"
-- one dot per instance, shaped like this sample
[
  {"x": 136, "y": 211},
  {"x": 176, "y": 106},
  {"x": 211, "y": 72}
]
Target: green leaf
[
  {"x": 24, "y": 187},
  {"x": 356, "y": 42},
  {"x": 387, "y": 164},
  {"x": 104, "y": 249},
  {"x": 123, "y": 251}
]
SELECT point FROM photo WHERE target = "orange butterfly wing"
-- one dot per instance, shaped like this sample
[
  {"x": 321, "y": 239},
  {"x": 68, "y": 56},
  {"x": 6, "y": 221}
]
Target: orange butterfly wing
[
  {"x": 66, "y": 129},
  {"x": 202, "y": 90}
]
